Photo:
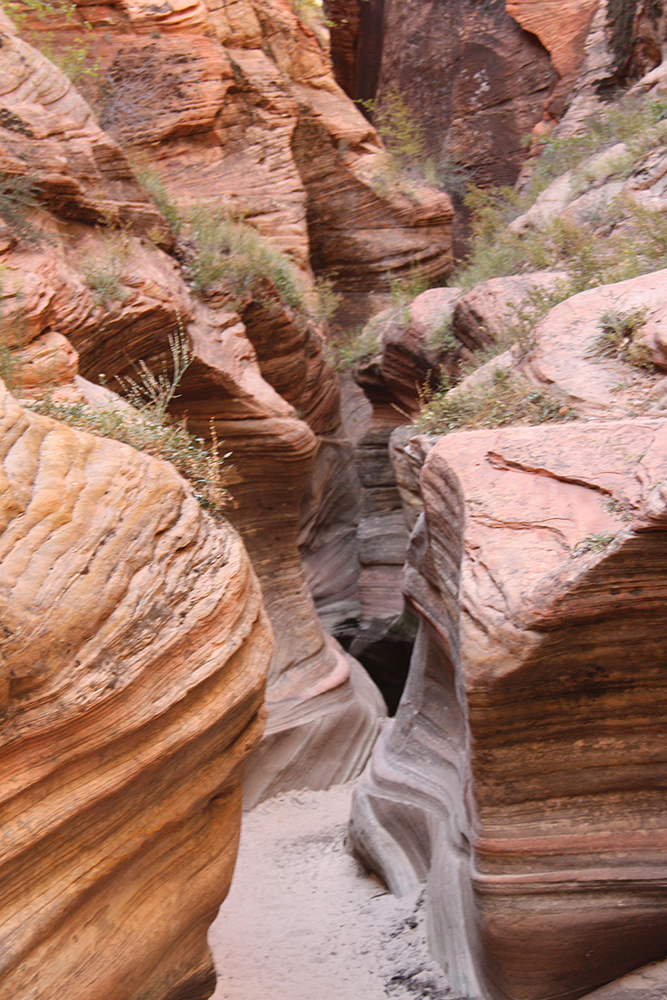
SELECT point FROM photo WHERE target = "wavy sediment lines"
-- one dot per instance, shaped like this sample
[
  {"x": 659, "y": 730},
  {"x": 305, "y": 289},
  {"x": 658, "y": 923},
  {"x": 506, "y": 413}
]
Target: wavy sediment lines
[
  {"x": 533, "y": 721},
  {"x": 134, "y": 652}
]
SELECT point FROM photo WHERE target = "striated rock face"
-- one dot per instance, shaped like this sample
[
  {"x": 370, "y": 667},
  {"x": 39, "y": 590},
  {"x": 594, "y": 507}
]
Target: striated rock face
[
  {"x": 104, "y": 297},
  {"x": 480, "y": 76},
  {"x": 134, "y": 655},
  {"x": 248, "y": 118},
  {"x": 521, "y": 775},
  {"x": 530, "y": 728}
]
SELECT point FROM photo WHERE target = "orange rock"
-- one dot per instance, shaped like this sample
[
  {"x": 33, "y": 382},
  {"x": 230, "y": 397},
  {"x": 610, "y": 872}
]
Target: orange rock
[
  {"x": 562, "y": 32},
  {"x": 134, "y": 654},
  {"x": 533, "y": 711},
  {"x": 116, "y": 297}
]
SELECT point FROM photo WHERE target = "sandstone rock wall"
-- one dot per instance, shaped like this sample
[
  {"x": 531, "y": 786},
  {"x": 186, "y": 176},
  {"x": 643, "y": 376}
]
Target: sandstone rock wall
[
  {"x": 480, "y": 76},
  {"x": 113, "y": 295},
  {"x": 521, "y": 774},
  {"x": 134, "y": 654}
]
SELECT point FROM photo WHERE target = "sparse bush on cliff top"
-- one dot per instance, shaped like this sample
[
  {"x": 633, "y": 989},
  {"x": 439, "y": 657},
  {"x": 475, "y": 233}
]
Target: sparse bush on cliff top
[
  {"x": 236, "y": 258},
  {"x": 407, "y": 157},
  {"x": 506, "y": 397},
  {"x": 73, "y": 59},
  {"x": 144, "y": 425}
]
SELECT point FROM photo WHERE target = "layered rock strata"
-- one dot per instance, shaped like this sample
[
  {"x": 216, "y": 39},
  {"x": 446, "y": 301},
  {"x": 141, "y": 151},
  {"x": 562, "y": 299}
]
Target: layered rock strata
[
  {"x": 521, "y": 775},
  {"x": 249, "y": 119},
  {"x": 109, "y": 294},
  {"x": 529, "y": 732},
  {"x": 134, "y": 655}
]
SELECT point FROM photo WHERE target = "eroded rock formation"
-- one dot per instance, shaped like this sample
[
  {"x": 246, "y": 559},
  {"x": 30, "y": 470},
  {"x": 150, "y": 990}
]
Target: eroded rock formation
[
  {"x": 520, "y": 776},
  {"x": 115, "y": 294},
  {"x": 134, "y": 655},
  {"x": 480, "y": 77}
]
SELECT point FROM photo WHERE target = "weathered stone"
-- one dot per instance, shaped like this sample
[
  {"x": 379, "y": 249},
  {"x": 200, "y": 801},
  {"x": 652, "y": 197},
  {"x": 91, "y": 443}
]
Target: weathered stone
[
  {"x": 134, "y": 654},
  {"x": 490, "y": 311},
  {"x": 416, "y": 342},
  {"x": 532, "y": 712},
  {"x": 49, "y": 136},
  {"x": 117, "y": 297}
]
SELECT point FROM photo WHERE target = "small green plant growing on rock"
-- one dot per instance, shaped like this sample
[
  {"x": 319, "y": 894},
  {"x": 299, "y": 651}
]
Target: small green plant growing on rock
[
  {"x": 404, "y": 288},
  {"x": 150, "y": 181},
  {"x": 505, "y": 398},
  {"x": 637, "y": 246},
  {"x": 234, "y": 257},
  {"x": 324, "y": 300},
  {"x": 355, "y": 347},
  {"x": 443, "y": 339},
  {"x": 144, "y": 424},
  {"x": 20, "y": 194},
  {"x": 617, "y": 338},
  {"x": 402, "y": 134},
  {"x": 594, "y": 543},
  {"x": 72, "y": 59},
  {"x": 619, "y": 508},
  {"x": 104, "y": 274}
]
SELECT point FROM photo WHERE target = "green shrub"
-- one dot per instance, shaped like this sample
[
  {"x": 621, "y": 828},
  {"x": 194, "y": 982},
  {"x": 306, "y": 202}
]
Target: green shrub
[
  {"x": 506, "y": 397},
  {"x": 354, "y": 347},
  {"x": 235, "y": 257},
  {"x": 150, "y": 181},
  {"x": 147, "y": 427},
  {"x": 104, "y": 273},
  {"x": 323, "y": 301},
  {"x": 20, "y": 194},
  {"x": 594, "y": 543},
  {"x": 72, "y": 59},
  {"x": 200, "y": 465},
  {"x": 401, "y": 133},
  {"x": 563, "y": 243},
  {"x": 618, "y": 338}
]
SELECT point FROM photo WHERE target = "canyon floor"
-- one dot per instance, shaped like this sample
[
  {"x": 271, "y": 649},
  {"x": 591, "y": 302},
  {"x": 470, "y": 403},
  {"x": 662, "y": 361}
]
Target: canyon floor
[{"x": 303, "y": 919}]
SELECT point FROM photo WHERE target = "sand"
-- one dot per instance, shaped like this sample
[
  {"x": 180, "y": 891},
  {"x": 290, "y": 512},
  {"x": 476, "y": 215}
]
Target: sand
[{"x": 303, "y": 921}]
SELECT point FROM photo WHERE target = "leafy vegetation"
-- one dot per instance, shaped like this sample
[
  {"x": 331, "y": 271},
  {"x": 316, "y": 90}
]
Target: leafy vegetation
[
  {"x": 150, "y": 181},
  {"x": 594, "y": 543},
  {"x": 407, "y": 158},
  {"x": 20, "y": 195},
  {"x": 635, "y": 236},
  {"x": 355, "y": 347},
  {"x": 104, "y": 273},
  {"x": 72, "y": 59},
  {"x": 234, "y": 256},
  {"x": 618, "y": 338}
]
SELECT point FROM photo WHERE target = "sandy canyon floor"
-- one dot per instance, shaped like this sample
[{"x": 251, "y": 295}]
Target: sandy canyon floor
[{"x": 303, "y": 921}]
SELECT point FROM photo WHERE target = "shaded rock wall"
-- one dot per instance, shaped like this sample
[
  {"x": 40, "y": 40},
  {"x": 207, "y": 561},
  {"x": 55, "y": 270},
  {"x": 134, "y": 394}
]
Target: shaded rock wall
[
  {"x": 134, "y": 654},
  {"x": 479, "y": 77}
]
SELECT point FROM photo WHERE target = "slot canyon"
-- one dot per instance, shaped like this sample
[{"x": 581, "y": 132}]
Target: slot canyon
[{"x": 333, "y": 436}]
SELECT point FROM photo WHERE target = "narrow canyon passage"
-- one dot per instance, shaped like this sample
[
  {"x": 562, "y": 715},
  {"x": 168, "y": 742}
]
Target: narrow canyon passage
[{"x": 304, "y": 921}]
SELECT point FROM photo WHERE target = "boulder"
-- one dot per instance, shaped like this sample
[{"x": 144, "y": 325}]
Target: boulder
[
  {"x": 521, "y": 775},
  {"x": 135, "y": 648}
]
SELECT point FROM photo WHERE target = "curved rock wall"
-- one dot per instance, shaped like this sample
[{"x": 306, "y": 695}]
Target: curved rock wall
[
  {"x": 530, "y": 732},
  {"x": 134, "y": 655},
  {"x": 521, "y": 776},
  {"x": 252, "y": 368}
]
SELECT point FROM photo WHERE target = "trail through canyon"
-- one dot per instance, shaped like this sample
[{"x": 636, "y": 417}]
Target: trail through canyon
[{"x": 303, "y": 919}]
